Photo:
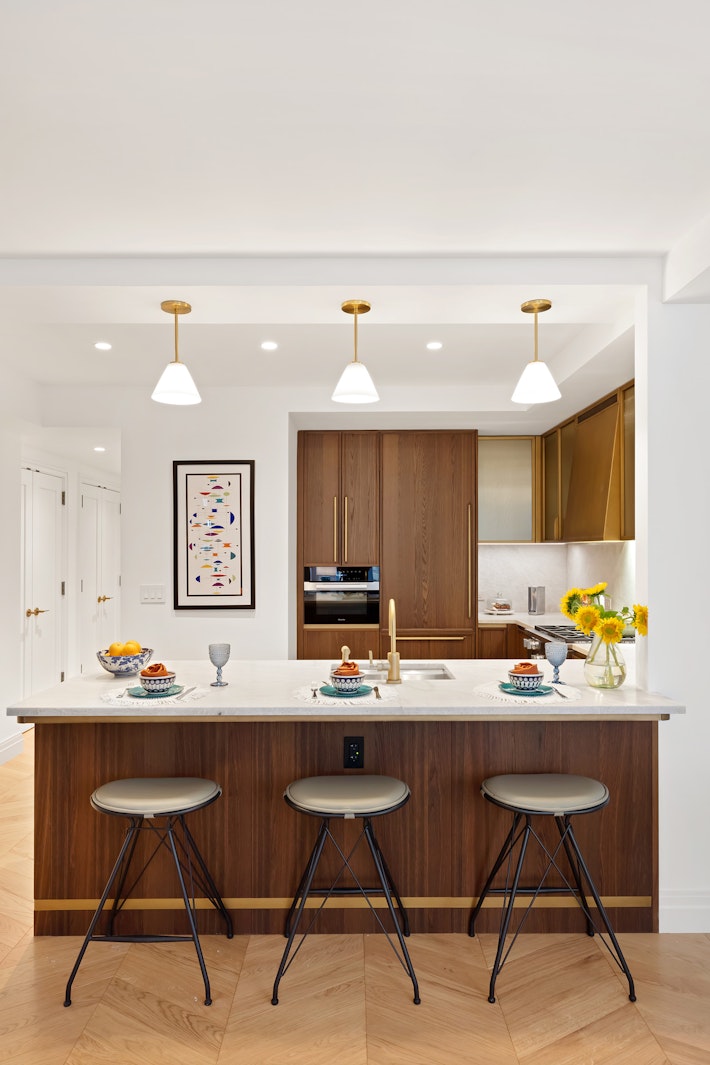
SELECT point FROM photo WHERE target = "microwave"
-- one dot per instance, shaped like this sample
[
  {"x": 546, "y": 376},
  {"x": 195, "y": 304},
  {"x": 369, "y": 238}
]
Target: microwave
[{"x": 341, "y": 595}]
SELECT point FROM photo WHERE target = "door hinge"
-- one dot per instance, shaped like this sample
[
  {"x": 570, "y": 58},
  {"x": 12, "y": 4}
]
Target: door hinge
[
  {"x": 64, "y": 498},
  {"x": 61, "y": 677},
  {"x": 64, "y": 588}
]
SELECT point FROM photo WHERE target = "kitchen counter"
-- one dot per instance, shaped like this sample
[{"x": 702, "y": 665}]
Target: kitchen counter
[
  {"x": 263, "y": 730},
  {"x": 281, "y": 691}
]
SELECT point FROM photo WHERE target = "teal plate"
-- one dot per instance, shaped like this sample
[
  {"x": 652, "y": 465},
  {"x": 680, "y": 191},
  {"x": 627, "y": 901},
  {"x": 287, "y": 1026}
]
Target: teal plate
[
  {"x": 141, "y": 693},
  {"x": 509, "y": 689},
  {"x": 331, "y": 692}
]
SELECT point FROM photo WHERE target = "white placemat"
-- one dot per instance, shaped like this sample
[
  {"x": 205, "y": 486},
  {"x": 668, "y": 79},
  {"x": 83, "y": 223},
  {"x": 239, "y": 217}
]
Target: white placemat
[
  {"x": 122, "y": 698},
  {"x": 492, "y": 691},
  {"x": 306, "y": 695}
]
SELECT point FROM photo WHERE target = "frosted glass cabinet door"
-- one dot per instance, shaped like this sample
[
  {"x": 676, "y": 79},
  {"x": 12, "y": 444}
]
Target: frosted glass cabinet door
[{"x": 505, "y": 488}]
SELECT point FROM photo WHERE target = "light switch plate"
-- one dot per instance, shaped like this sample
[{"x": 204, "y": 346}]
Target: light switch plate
[{"x": 152, "y": 593}]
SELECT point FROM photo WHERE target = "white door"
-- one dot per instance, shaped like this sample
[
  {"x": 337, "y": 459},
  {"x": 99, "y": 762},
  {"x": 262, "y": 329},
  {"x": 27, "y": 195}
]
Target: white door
[
  {"x": 43, "y": 621},
  {"x": 99, "y": 572}
]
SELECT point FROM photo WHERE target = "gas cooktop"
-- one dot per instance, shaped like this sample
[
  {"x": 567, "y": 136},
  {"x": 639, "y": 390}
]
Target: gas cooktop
[{"x": 570, "y": 634}]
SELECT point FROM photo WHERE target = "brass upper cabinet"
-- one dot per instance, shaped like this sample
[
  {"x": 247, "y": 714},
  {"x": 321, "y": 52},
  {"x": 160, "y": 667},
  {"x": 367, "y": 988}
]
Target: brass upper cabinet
[
  {"x": 507, "y": 499},
  {"x": 338, "y": 477},
  {"x": 594, "y": 504},
  {"x": 429, "y": 535},
  {"x": 557, "y": 452}
]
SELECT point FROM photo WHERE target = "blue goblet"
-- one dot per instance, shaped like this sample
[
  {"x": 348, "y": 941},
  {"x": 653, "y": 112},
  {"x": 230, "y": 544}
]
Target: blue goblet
[{"x": 556, "y": 653}]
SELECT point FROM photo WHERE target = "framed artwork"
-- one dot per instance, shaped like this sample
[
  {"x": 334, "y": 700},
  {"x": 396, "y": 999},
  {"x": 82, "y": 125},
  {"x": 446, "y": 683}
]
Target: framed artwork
[{"x": 213, "y": 535}]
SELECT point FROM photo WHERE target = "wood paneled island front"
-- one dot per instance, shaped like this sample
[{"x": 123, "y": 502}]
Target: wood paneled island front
[{"x": 265, "y": 729}]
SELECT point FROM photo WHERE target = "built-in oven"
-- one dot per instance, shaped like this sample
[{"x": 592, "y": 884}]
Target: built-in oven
[{"x": 341, "y": 595}]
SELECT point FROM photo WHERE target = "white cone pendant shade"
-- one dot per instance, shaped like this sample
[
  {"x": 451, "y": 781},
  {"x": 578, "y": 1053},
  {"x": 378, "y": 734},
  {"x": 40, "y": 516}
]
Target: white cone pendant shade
[
  {"x": 536, "y": 384},
  {"x": 176, "y": 386},
  {"x": 355, "y": 384}
]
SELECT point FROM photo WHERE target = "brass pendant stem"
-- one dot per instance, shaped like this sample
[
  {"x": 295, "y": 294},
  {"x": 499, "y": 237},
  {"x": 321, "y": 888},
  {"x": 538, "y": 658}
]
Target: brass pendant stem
[
  {"x": 534, "y": 356},
  {"x": 177, "y": 357},
  {"x": 355, "y": 328}
]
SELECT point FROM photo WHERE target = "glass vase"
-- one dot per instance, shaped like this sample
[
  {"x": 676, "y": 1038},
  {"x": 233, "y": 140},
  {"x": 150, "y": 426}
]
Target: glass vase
[{"x": 605, "y": 666}]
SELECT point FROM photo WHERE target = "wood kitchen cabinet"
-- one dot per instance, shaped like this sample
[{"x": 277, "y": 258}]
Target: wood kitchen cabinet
[
  {"x": 557, "y": 452},
  {"x": 492, "y": 641},
  {"x": 322, "y": 641},
  {"x": 338, "y": 485},
  {"x": 507, "y": 489},
  {"x": 428, "y": 562},
  {"x": 594, "y": 501}
]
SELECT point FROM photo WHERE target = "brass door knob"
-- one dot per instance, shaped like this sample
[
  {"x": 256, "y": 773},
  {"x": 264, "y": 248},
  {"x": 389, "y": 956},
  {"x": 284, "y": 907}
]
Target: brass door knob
[{"x": 29, "y": 613}]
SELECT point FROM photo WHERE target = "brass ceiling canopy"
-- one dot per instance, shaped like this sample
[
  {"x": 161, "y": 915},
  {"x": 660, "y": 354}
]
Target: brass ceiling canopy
[
  {"x": 355, "y": 307},
  {"x": 175, "y": 307},
  {"x": 535, "y": 306}
]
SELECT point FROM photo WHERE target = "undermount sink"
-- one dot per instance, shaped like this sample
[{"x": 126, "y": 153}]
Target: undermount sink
[{"x": 410, "y": 671}]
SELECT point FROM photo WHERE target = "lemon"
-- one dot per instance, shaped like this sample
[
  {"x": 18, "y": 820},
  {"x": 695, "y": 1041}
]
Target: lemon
[
  {"x": 131, "y": 647},
  {"x": 116, "y": 649}
]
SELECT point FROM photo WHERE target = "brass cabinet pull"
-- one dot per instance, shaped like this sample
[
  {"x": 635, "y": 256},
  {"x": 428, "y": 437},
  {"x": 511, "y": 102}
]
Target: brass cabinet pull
[
  {"x": 335, "y": 528},
  {"x": 555, "y": 529},
  {"x": 104, "y": 598},
  {"x": 345, "y": 529},
  {"x": 470, "y": 575},
  {"x": 434, "y": 639},
  {"x": 30, "y": 613}
]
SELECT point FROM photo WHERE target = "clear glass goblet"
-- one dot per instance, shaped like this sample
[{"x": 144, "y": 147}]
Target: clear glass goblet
[
  {"x": 219, "y": 656},
  {"x": 556, "y": 653}
]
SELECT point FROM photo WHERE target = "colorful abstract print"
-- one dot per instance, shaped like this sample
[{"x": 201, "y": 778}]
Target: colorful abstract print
[{"x": 214, "y": 535}]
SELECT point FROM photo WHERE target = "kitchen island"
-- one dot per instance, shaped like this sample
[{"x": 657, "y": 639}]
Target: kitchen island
[{"x": 442, "y": 736}]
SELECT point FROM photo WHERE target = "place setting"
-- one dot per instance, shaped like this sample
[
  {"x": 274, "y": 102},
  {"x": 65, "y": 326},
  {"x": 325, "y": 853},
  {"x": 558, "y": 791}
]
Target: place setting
[{"x": 526, "y": 681}]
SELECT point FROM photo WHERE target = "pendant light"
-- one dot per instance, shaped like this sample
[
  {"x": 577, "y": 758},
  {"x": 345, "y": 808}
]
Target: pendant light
[
  {"x": 536, "y": 384},
  {"x": 176, "y": 385},
  {"x": 355, "y": 384}
]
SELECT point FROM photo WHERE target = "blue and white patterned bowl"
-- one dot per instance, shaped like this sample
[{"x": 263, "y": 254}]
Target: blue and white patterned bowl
[
  {"x": 157, "y": 684},
  {"x": 346, "y": 682},
  {"x": 525, "y": 682},
  {"x": 124, "y": 665}
]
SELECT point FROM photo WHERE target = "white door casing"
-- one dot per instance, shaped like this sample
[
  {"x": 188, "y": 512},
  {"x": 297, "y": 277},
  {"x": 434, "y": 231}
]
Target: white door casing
[
  {"x": 99, "y": 571},
  {"x": 43, "y": 566}
]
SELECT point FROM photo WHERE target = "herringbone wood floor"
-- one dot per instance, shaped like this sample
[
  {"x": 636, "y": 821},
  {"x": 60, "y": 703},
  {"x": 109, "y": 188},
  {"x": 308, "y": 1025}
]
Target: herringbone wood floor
[{"x": 345, "y": 1001}]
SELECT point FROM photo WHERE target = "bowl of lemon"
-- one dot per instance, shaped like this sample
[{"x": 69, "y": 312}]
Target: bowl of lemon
[{"x": 123, "y": 659}]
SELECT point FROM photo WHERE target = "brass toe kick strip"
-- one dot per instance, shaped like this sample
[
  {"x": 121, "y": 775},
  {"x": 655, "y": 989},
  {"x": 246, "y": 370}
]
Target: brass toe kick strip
[{"x": 415, "y": 902}]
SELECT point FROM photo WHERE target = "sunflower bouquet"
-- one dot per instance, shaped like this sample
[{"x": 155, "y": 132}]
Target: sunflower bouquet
[
  {"x": 605, "y": 666},
  {"x": 584, "y": 607}
]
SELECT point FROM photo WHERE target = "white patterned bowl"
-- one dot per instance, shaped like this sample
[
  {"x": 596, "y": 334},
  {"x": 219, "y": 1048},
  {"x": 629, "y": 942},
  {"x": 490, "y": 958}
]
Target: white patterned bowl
[
  {"x": 157, "y": 684},
  {"x": 123, "y": 665},
  {"x": 346, "y": 682},
  {"x": 525, "y": 682}
]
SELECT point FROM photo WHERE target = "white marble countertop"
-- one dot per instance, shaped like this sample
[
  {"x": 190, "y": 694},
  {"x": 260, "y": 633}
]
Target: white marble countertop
[{"x": 282, "y": 690}]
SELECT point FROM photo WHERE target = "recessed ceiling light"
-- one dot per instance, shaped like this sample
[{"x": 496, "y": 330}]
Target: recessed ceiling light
[
  {"x": 102, "y": 345},
  {"x": 99, "y": 449},
  {"x": 269, "y": 345},
  {"x": 434, "y": 345}
]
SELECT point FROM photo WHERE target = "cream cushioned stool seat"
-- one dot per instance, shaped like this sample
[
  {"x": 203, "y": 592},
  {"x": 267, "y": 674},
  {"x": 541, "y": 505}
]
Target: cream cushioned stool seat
[
  {"x": 560, "y": 796},
  {"x": 158, "y": 805},
  {"x": 346, "y": 798}
]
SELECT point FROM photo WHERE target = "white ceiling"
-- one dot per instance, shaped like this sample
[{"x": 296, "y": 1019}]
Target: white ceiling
[{"x": 231, "y": 129}]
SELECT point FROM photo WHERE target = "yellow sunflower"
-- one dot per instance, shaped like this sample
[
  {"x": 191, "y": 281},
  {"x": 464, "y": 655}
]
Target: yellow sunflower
[
  {"x": 587, "y": 617},
  {"x": 640, "y": 619},
  {"x": 610, "y": 629},
  {"x": 570, "y": 601},
  {"x": 597, "y": 589}
]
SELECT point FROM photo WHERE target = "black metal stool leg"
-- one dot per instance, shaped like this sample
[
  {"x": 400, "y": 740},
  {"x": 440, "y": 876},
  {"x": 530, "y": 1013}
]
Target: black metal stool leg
[
  {"x": 304, "y": 889},
  {"x": 130, "y": 834},
  {"x": 393, "y": 887},
  {"x": 382, "y": 874},
  {"x": 118, "y": 898},
  {"x": 621, "y": 960},
  {"x": 190, "y": 913},
  {"x": 213, "y": 893},
  {"x": 308, "y": 871},
  {"x": 508, "y": 910},
  {"x": 504, "y": 851},
  {"x": 564, "y": 827}
]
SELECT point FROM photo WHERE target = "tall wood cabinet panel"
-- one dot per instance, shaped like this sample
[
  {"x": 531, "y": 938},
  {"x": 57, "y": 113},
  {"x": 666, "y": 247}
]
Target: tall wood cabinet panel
[
  {"x": 339, "y": 498},
  {"x": 429, "y": 532}
]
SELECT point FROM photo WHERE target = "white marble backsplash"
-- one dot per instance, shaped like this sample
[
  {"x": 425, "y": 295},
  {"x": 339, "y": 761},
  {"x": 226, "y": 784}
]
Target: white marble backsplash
[{"x": 512, "y": 568}]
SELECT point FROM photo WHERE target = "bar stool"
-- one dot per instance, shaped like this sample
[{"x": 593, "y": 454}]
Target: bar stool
[
  {"x": 346, "y": 797},
  {"x": 560, "y": 796},
  {"x": 158, "y": 805}
]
